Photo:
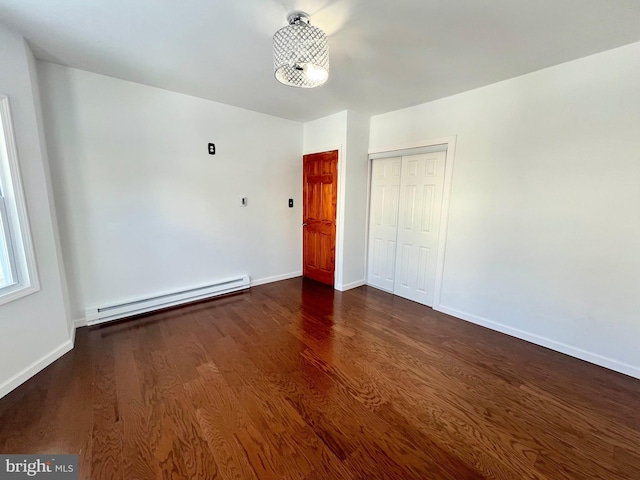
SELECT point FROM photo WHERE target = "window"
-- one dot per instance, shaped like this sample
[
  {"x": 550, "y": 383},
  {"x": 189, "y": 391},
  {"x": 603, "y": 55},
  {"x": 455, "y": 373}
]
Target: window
[
  {"x": 18, "y": 275},
  {"x": 7, "y": 258}
]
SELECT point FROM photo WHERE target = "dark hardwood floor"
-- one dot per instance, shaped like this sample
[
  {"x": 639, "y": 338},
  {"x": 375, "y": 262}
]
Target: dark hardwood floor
[{"x": 294, "y": 380}]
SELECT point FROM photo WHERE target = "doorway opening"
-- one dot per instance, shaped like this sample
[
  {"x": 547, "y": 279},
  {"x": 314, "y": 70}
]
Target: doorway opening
[{"x": 320, "y": 197}]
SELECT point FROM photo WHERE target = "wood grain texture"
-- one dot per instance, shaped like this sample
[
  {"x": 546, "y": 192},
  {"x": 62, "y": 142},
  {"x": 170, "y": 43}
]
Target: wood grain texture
[
  {"x": 320, "y": 194},
  {"x": 295, "y": 380}
]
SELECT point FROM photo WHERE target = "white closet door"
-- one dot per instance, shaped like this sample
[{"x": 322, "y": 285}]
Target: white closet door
[
  {"x": 383, "y": 222},
  {"x": 421, "y": 187}
]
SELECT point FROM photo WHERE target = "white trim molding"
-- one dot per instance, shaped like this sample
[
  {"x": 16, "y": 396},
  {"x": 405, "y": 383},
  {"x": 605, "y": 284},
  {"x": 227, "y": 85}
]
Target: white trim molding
[
  {"x": 79, "y": 323},
  {"x": 444, "y": 216},
  {"x": 37, "y": 366},
  {"x": 22, "y": 243},
  {"x": 575, "y": 352},
  {"x": 419, "y": 144},
  {"x": 449, "y": 144},
  {"x": 341, "y": 200},
  {"x": 349, "y": 286},
  {"x": 276, "y": 278}
]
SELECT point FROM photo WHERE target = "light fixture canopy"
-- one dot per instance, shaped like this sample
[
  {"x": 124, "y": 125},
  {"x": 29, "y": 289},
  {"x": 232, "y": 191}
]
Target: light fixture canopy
[{"x": 300, "y": 53}]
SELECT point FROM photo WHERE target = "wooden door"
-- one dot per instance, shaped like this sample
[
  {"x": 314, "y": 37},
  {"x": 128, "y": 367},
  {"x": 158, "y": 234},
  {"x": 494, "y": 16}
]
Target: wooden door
[
  {"x": 320, "y": 193},
  {"x": 421, "y": 187},
  {"x": 383, "y": 222}
]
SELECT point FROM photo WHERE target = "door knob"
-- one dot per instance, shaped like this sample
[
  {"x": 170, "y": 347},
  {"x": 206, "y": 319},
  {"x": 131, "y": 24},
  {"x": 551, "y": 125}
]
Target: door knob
[{"x": 304, "y": 224}]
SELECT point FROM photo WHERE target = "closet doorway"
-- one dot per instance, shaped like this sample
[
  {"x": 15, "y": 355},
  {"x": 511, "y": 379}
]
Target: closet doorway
[{"x": 406, "y": 221}]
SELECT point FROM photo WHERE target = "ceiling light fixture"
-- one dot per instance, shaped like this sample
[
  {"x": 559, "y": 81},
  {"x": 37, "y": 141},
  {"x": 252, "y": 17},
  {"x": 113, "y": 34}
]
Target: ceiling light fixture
[{"x": 300, "y": 53}]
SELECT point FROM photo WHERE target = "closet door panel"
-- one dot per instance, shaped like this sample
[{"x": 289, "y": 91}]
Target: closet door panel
[
  {"x": 421, "y": 187},
  {"x": 383, "y": 222}
]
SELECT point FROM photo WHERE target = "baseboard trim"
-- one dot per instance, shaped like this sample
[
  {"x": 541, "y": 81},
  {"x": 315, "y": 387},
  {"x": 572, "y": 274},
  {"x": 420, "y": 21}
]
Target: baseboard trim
[
  {"x": 575, "y": 352},
  {"x": 379, "y": 288},
  {"x": 80, "y": 322},
  {"x": 276, "y": 278},
  {"x": 72, "y": 334},
  {"x": 349, "y": 286},
  {"x": 34, "y": 368}
]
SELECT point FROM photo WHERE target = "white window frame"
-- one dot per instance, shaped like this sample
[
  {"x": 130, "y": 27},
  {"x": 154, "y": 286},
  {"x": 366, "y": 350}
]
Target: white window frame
[
  {"x": 13, "y": 216},
  {"x": 8, "y": 271}
]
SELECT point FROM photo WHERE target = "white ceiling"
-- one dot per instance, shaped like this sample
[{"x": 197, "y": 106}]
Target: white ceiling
[{"x": 385, "y": 54}]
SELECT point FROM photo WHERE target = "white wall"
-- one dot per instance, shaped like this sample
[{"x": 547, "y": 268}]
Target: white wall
[
  {"x": 34, "y": 330},
  {"x": 347, "y": 132},
  {"x": 356, "y": 208},
  {"x": 144, "y": 209},
  {"x": 544, "y": 219},
  {"x": 325, "y": 133},
  {"x": 322, "y": 135}
]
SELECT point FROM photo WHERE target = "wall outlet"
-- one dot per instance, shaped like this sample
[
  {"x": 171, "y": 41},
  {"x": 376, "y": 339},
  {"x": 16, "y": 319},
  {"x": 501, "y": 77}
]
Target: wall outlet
[{"x": 212, "y": 149}]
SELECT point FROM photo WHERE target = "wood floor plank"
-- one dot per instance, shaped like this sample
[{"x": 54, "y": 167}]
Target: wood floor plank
[
  {"x": 220, "y": 417},
  {"x": 272, "y": 413},
  {"x": 279, "y": 423},
  {"x": 367, "y": 355},
  {"x": 296, "y": 380},
  {"x": 445, "y": 423},
  {"x": 137, "y": 457},
  {"x": 106, "y": 435},
  {"x": 368, "y": 460},
  {"x": 182, "y": 450}
]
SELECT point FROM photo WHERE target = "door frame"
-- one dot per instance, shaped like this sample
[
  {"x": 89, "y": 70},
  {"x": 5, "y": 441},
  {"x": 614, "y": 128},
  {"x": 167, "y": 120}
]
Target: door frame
[
  {"x": 335, "y": 160},
  {"x": 393, "y": 151},
  {"x": 337, "y": 274}
]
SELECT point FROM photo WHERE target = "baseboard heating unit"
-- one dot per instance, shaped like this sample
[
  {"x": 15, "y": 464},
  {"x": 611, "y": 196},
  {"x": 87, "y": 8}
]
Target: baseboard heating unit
[{"x": 129, "y": 308}]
